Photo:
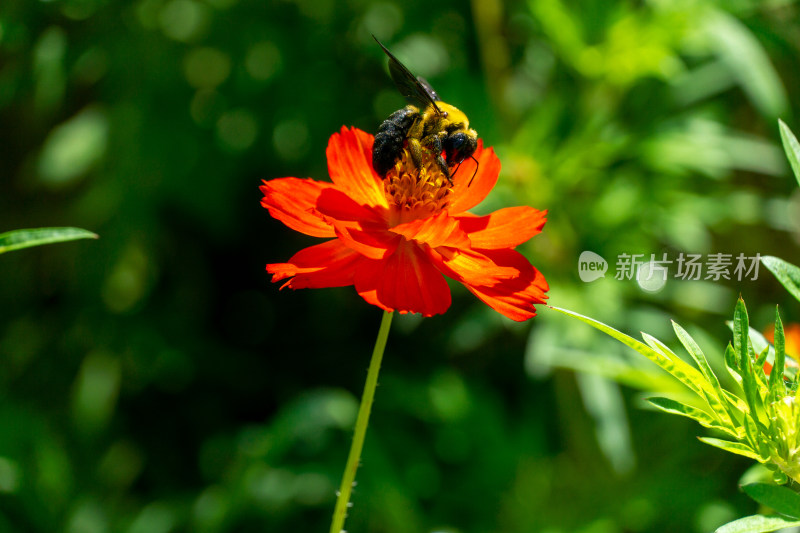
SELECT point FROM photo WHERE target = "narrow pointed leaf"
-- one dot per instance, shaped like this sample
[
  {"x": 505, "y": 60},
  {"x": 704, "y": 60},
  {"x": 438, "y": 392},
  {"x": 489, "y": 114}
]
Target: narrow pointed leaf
[
  {"x": 776, "y": 377},
  {"x": 25, "y": 238},
  {"x": 781, "y": 499},
  {"x": 733, "y": 447},
  {"x": 698, "y": 415},
  {"x": 734, "y": 402},
  {"x": 741, "y": 345},
  {"x": 751, "y": 430},
  {"x": 732, "y": 364},
  {"x": 791, "y": 147},
  {"x": 697, "y": 354},
  {"x": 741, "y": 328},
  {"x": 658, "y": 346},
  {"x": 787, "y": 274},
  {"x": 679, "y": 369},
  {"x": 757, "y": 524},
  {"x": 762, "y": 358},
  {"x": 714, "y": 399}
]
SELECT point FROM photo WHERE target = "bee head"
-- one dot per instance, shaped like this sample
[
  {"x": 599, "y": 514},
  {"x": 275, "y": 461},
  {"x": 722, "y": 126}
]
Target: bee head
[{"x": 460, "y": 145}]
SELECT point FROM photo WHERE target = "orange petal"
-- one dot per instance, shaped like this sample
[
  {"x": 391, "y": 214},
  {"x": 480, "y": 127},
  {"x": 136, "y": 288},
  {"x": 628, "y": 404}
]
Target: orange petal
[
  {"x": 505, "y": 228},
  {"x": 349, "y": 155},
  {"x": 336, "y": 205},
  {"x": 470, "y": 267},
  {"x": 329, "y": 264},
  {"x": 513, "y": 297},
  {"x": 503, "y": 279},
  {"x": 293, "y": 202},
  {"x": 468, "y": 196},
  {"x": 406, "y": 282},
  {"x": 370, "y": 240},
  {"x": 437, "y": 230}
]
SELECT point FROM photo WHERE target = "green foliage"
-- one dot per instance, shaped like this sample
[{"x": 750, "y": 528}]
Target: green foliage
[
  {"x": 791, "y": 147},
  {"x": 780, "y": 499},
  {"x": 787, "y": 274},
  {"x": 757, "y": 524},
  {"x": 156, "y": 381},
  {"x": 761, "y": 415},
  {"x": 25, "y": 238}
]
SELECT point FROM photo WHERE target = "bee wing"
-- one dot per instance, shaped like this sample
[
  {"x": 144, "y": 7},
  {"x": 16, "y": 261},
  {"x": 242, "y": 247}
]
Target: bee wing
[
  {"x": 416, "y": 90},
  {"x": 428, "y": 89}
]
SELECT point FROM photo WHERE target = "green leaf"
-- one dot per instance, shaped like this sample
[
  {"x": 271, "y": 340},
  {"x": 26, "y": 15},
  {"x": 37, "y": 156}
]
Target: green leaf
[
  {"x": 697, "y": 354},
  {"x": 715, "y": 398},
  {"x": 735, "y": 402},
  {"x": 698, "y": 415},
  {"x": 762, "y": 358},
  {"x": 676, "y": 366},
  {"x": 776, "y": 384},
  {"x": 733, "y": 447},
  {"x": 781, "y": 499},
  {"x": 792, "y": 148},
  {"x": 757, "y": 524},
  {"x": 732, "y": 364},
  {"x": 658, "y": 346},
  {"x": 787, "y": 274},
  {"x": 741, "y": 328},
  {"x": 25, "y": 238},
  {"x": 741, "y": 345}
]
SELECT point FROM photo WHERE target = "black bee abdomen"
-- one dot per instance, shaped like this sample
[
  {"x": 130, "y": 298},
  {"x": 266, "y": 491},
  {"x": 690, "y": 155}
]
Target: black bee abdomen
[{"x": 390, "y": 137}]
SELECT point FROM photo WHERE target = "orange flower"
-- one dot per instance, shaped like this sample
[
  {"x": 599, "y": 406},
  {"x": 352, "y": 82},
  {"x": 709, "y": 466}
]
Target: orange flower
[
  {"x": 393, "y": 238},
  {"x": 791, "y": 333}
]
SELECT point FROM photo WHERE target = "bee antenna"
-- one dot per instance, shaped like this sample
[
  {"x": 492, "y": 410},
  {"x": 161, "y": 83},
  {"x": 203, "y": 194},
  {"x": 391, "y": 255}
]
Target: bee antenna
[
  {"x": 457, "y": 167},
  {"x": 477, "y": 166}
]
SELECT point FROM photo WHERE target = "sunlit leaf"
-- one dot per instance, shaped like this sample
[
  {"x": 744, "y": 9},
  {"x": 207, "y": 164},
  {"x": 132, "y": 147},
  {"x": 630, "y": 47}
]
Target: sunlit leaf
[
  {"x": 658, "y": 346},
  {"x": 741, "y": 345},
  {"x": 792, "y": 148},
  {"x": 776, "y": 377},
  {"x": 781, "y": 499},
  {"x": 733, "y": 447},
  {"x": 757, "y": 524},
  {"x": 25, "y": 238},
  {"x": 698, "y": 415},
  {"x": 787, "y": 274},
  {"x": 675, "y": 366},
  {"x": 714, "y": 400}
]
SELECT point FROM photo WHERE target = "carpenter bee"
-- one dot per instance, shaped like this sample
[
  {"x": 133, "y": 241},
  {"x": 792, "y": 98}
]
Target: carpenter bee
[{"x": 428, "y": 123}]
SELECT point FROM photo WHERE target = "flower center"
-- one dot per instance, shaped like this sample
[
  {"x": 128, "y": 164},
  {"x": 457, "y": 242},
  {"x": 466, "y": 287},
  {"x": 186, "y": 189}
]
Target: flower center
[{"x": 417, "y": 192}]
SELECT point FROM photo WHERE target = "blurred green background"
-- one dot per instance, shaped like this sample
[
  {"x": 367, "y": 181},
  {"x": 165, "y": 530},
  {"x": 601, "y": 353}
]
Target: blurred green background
[{"x": 155, "y": 381}]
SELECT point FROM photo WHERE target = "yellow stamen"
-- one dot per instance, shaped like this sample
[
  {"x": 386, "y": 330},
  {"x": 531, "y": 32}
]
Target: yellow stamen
[{"x": 417, "y": 192}]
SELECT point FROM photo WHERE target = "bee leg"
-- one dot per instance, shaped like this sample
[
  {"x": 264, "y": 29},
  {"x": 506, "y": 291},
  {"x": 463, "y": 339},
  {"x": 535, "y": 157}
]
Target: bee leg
[
  {"x": 415, "y": 149},
  {"x": 436, "y": 142}
]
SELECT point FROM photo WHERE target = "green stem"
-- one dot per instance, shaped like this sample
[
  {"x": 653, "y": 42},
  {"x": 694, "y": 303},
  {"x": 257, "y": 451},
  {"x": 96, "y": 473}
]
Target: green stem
[{"x": 349, "y": 476}]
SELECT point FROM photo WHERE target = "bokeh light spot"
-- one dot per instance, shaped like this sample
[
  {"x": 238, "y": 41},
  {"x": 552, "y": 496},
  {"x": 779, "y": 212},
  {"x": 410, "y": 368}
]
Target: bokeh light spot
[
  {"x": 206, "y": 107},
  {"x": 263, "y": 61},
  {"x": 184, "y": 20},
  {"x": 72, "y": 148},
  {"x": 237, "y": 130},
  {"x": 290, "y": 138},
  {"x": 205, "y": 67},
  {"x": 155, "y": 518},
  {"x": 9, "y": 475},
  {"x": 88, "y": 517},
  {"x": 128, "y": 281},
  {"x": 383, "y": 19},
  {"x": 95, "y": 391},
  {"x": 210, "y": 508}
]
